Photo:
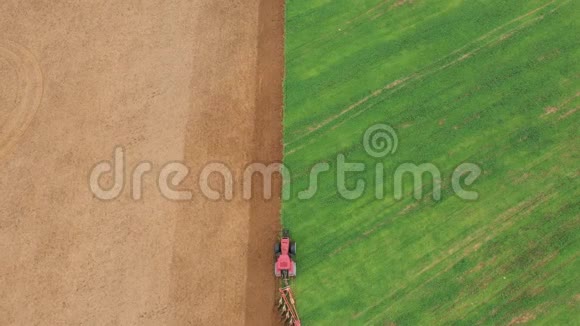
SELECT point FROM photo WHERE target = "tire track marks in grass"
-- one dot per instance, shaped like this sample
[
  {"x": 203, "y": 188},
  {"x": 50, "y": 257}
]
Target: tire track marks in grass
[
  {"x": 567, "y": 114},
  {"x": 479, "y": 238},
  {"x": 564, "y": 104},
  {"x": 489, "y": 39},
  {"x": 469, "y": 245},
  {"x": 555, "y": 108},
  {"x": 520, "y": 211},
  {"x": 425, "y": 72},
  {"x": 540, "y": 278}
]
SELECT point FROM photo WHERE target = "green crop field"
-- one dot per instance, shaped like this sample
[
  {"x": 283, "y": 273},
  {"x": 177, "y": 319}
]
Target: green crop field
[{"x": 495, "y": 83}]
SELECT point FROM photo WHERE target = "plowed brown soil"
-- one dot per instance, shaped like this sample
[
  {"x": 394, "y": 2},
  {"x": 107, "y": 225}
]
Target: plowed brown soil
[{"x": 192, "y": 81}]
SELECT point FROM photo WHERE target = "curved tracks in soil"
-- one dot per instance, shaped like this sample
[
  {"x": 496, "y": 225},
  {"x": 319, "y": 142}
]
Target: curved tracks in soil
[{"x": 29, "y": 93}]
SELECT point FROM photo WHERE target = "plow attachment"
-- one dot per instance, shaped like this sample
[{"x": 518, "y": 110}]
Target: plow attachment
[{"x": 287, "y": 307}]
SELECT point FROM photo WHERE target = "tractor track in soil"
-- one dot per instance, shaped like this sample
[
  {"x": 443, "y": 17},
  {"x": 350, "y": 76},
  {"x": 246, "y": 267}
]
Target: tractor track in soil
[{"x": 265, "y": 215}]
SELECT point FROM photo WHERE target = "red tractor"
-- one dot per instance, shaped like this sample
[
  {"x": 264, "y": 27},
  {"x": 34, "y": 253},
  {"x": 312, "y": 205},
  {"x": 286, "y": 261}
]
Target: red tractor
[
  {"x": 284, "y": 268},
  {"x": 285, "y": 251}
]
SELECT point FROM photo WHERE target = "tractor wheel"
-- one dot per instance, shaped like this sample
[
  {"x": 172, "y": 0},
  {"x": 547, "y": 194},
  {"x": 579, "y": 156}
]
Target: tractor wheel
[
  {"x": 277, "y": 249},
  {"x": 293, "y": 248}
]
